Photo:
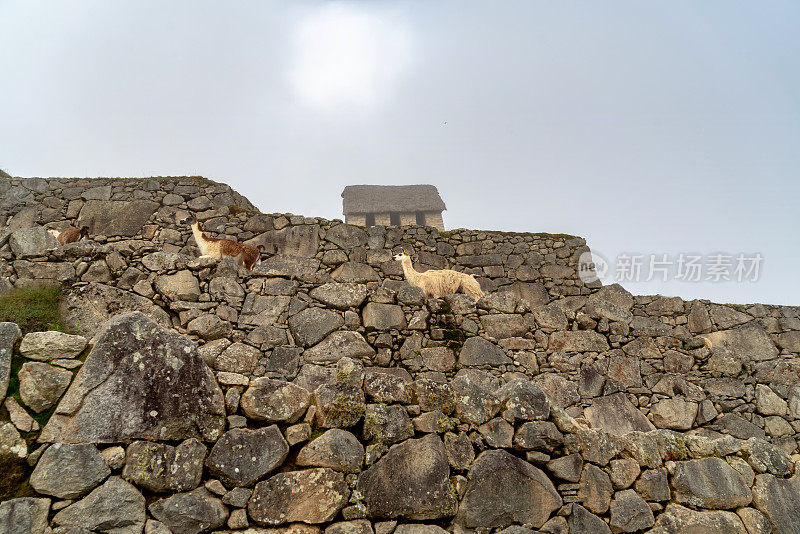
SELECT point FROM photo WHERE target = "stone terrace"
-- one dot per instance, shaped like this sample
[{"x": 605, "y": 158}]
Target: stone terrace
[{"x": 546, "y": 406}]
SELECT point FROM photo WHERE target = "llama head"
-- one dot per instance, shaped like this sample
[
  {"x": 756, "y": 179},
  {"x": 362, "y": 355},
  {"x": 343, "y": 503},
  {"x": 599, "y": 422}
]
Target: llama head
[
  {"x": 401, "y": 256},
  {"x": 190, "y": 219},
  {"x": 84, "y": 231}
]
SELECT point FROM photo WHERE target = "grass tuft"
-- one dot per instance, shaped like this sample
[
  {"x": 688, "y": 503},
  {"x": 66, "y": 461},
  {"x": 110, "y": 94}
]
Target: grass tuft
[{"x": 34, "y": 309}]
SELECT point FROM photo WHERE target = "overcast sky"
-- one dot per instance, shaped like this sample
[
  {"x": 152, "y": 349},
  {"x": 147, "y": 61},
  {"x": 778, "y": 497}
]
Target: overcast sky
[{"x": 645, "y": 127}]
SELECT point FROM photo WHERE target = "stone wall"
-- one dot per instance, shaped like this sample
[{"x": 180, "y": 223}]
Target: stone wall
[{"x": 321, "y": 391}]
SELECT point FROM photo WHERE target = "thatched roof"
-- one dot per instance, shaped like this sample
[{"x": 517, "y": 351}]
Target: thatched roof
[
  {"x": 4, "y": 174},
  {"x": 391, "y": 198}
]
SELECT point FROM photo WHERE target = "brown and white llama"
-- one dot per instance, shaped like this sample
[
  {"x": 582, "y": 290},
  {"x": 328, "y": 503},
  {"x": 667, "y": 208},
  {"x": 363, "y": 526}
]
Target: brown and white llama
[
  {"x": 217, "y": 248},
  {"x": 70, "y": 235},
  {"x": 438, "y": 283}
]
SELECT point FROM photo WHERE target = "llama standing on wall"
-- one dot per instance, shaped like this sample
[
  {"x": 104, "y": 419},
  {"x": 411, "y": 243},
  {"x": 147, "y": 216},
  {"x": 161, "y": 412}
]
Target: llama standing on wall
[
  {"x": 438, "y": 283},
  {"x": 70, "y": 235},
  {"x": 221, "y": 248}
]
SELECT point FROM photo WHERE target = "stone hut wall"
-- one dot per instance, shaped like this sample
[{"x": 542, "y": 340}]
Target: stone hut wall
[
  {"x": 432, "y": 218},
  {"x": 341, "y": 399}
]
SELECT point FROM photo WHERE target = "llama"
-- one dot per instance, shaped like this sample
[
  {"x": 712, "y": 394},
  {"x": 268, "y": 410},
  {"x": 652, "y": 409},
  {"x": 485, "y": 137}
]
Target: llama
[
  {"x": 222, "y": 248},
  {"x": 438, "y": 283},
  {"x": 70, "y": 235}
]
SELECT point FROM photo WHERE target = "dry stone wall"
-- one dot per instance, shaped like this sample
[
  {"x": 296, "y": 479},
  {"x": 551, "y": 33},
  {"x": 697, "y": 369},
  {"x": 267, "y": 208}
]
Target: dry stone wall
[{"x": 322, "y": 392}]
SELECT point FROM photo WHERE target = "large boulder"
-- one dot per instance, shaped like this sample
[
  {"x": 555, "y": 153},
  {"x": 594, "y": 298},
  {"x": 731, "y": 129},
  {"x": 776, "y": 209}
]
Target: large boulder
[
  {"x": 582, "y": 521},
  {"x": 578, "y": 341},
  {"x": 595, "y": 489},
  {"x": 676, "y": 413},
  {"x": 504, "y": 325},
  {"x": 28, "y": 242},
  {"x": 768, "y": 402},
  {"x": 749, "y": 342},
  {"x": 386, "y": 424},
  {"x": 727, "y": 317},
  {"x": 242, "y": 456},
  {"x": 388, "y": 385},
  {"x": 383, "y": 316},
  {"x": 432, "y": 396},
  {"x": 13, "y": 452},
  {"x": 337, "y": 449},
  {"x": 355, "y": 273},
  {"x": 339, "y": 404},
  {"x": 677, "y": 519},
  {"x": 37, "y": 273},
  {"x": 311, "y": 325},
  {"x": 237, "y": 358},
  {"x": 478, "y": 351},
  {"x": 629, "y": 513},
  {"x": 709, "y": 483},
  {"x": 338, "y": 345},
  {"x": 535, "y": 294},
  {"x": 311, "y": 496},
  {"x": 288, "y": 266},
  {"x": 410, "y": 481},
  {"x": 347, "y": 236},
  {"x": 115, "y": 507},
  {"x": 41, "y": 385},
  {"x": 140, "y": 381},
  {"x": 46, "y": 346},
  {"x": 779, "y": 500},
  {"x": 88, "y": 307},
  {"x": 616, "y": 415},
  {"x": 504, "y": 489},
  {"x": 610, "y": 304},
  {"x": 190, "y": 513},
  {"x": 9, "y": 335},
  {"x": 209, "y": 327},
  {"x": 765, "y": 457},
  {"x": 115, "y": 217},
  {"x": 162, "y": 467},
  {"x": 475, "y": 404},
  {"x": 25, "y": 515},
  {"x": 179, "y": 286},
  {"x": 165, "y": 261},
  {"x": 340, "y": 295},
  {"x": 523, "y": 400},
  {"x": 274, "y": 401},
  {"x": 68, "y": 470},
  {"x": 263, "y": 310},
  {"x": 292, "y": 241},
  {"x": 538, "y": 435}
]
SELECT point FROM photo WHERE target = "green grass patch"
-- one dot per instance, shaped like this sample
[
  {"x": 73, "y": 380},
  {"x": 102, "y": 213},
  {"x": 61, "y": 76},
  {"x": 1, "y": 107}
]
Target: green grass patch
[{"x": 34, "y": 309}]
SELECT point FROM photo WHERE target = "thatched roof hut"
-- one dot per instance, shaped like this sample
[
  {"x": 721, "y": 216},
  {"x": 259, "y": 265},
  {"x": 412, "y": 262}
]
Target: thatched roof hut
[{"x": 367, "y": 205}]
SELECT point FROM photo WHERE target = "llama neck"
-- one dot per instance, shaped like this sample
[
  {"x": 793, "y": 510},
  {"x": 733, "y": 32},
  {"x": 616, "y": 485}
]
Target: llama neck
[
  {"x": 199, "y": 238},
  {"x": 408, "y": 270}
]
